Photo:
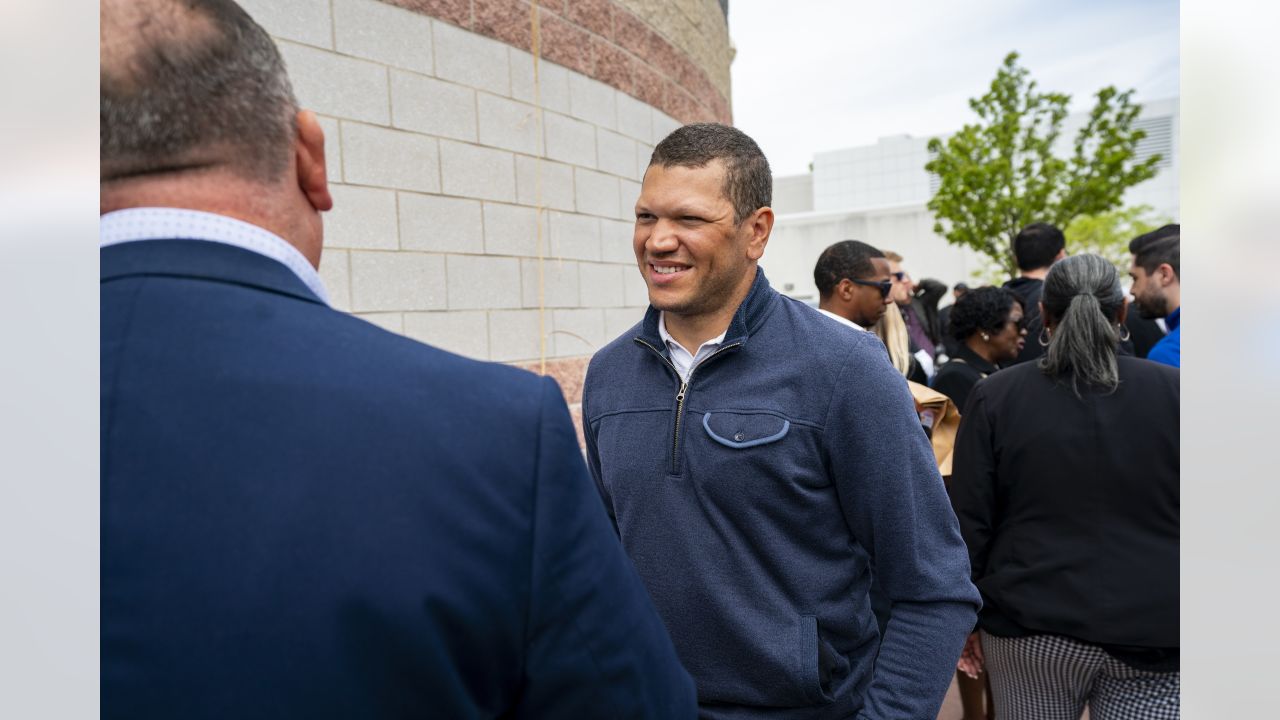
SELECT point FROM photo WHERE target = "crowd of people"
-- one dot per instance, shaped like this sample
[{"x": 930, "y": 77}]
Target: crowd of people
[
  {"x": 304, "y": 515},
  {"x": 1064, "y": 474}
]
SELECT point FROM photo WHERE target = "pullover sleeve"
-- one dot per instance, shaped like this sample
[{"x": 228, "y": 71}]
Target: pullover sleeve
[{"x": 897, "y": 508}]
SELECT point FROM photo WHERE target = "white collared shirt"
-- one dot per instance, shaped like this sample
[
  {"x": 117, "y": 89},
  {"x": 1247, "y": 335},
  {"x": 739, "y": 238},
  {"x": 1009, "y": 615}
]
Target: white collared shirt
[
  {"x": 684, "y": 360},
  {"x": 842, "y": 320},
  {"x": 156, "y": 223}
]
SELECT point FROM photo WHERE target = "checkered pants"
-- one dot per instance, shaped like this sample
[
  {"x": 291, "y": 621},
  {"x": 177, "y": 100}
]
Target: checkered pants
[{"x": 1048, "y": 677}]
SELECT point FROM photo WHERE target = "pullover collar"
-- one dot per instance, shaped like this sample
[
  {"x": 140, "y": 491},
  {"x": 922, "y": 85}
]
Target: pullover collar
[{"x": 755, "y": 308}]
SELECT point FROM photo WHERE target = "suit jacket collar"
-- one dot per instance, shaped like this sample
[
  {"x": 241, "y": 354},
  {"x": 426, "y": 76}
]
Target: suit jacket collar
[{"x": 204, "y": 260}]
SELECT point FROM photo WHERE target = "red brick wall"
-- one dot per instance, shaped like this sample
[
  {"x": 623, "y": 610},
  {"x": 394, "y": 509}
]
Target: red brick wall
[{"x": 598, "y": 38}]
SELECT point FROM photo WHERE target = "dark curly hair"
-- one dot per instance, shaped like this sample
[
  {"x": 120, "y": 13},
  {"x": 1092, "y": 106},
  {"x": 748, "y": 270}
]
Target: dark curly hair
[{"x": 985, "y": 308}]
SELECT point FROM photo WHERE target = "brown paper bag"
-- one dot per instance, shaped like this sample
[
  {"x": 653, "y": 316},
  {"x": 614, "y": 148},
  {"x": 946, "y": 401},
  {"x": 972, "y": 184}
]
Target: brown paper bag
[{"x": 940, "y": 415}]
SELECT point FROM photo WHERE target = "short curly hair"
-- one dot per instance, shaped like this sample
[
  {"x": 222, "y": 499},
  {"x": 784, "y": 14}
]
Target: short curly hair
[{"x": 984, "y": 309}]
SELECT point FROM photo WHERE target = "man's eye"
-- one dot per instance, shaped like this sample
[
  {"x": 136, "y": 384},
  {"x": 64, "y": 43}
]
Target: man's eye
[{"x": 643, "y": 216}]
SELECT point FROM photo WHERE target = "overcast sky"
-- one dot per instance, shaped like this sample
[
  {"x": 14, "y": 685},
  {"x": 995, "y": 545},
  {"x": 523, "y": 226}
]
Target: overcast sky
[{"x": 815, "y": 75}]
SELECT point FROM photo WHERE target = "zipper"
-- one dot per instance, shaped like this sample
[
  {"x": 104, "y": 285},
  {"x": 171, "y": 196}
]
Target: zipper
[
  {"x": 675, "y": 440},
  {"x": 681, "y": 393}
]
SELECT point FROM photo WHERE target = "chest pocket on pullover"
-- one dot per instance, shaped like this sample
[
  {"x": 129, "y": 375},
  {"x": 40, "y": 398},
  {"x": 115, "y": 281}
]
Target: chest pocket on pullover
[{"x": 739, "y": 430}]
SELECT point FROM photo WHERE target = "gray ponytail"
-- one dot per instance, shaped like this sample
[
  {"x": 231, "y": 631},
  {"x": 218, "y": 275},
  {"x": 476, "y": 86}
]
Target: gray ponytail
[{"x": 1082, "y": 293}]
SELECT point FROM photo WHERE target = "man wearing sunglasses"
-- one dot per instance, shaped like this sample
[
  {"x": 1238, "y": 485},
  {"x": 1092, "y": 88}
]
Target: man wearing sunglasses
[{"x": 853, "y": 283}]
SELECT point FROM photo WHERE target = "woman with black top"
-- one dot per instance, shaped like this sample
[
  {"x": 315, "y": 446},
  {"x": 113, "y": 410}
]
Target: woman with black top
[
  {"x": 988, "y": 324},
  {"x": 1066, "y": 487}
]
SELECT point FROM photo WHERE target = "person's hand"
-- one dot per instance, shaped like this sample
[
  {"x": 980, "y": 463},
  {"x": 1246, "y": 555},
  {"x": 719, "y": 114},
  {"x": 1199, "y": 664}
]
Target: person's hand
[{"x": 971, "y": 660}]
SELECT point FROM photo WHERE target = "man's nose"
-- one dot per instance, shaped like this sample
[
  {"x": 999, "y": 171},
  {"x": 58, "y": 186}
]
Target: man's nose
[{"x": 662, "y": 238}]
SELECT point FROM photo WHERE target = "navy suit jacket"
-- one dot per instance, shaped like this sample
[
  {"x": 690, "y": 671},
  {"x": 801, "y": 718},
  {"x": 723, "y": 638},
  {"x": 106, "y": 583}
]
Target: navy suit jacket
[{"x": 304, "y": 515}]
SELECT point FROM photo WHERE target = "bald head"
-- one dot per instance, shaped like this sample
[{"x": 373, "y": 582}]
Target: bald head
[{"x": 189, "y": 85}]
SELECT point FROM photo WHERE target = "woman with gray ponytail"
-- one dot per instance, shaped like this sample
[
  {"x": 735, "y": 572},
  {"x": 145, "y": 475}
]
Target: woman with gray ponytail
[
  {"x": 1065, "y": 483},
  {"x": 1084, "y": 299}
]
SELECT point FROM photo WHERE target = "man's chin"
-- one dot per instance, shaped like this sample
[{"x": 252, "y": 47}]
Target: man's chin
[{"x": 668, "y": 305}]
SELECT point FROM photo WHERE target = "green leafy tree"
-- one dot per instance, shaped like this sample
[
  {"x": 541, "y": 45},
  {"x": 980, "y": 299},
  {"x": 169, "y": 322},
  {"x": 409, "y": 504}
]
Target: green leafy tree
[
  {"x": 1000, "y": 174},
  {"x": 1106, "y": 234}
]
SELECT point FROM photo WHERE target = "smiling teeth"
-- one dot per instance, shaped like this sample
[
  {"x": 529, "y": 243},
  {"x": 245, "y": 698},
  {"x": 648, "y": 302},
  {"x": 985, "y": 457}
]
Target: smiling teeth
[{"x": 665, "y": 270}]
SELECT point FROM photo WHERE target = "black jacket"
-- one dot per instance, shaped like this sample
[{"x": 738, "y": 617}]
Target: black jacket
[
  {"x": 1069, "y": 506},
  {"x": 958, "y": 376},
  {"x": 950, "y": 344},
  {"x": 1143, "y": 333},
  {"x": 1029, "y": 290}
]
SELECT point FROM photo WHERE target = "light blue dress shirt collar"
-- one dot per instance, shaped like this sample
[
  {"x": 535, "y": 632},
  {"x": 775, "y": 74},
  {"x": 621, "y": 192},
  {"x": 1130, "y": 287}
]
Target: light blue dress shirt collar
[{"x": 156, "y": 223}]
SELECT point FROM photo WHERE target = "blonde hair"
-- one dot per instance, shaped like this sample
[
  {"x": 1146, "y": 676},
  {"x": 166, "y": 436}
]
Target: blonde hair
[{"x": 892, "y": 331}]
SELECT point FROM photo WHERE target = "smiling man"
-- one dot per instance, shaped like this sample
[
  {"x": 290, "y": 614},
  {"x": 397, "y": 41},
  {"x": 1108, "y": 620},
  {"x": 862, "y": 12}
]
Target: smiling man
[{"x": 755, "y": 464}]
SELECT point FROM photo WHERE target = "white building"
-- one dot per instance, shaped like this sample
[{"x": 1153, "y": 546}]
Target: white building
[{"x": 878, "y": 194}]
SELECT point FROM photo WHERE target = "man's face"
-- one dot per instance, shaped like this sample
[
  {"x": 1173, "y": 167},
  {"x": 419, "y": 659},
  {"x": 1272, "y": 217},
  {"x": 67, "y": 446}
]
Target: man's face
[
  {"x": 903, "y": 285},
  {"x": 693, "y": 257},
  {"x": 868, "y": 305},
  {"x": 1148, "y": 292}
]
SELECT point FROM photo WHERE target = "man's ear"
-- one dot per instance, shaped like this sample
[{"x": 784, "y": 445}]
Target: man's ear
[
  {"x": 1166, "y": 273},
  {"x": 760, "y": 225},
  {"x": 845, "y": 289},
  {"x": 313, "y": 178}
]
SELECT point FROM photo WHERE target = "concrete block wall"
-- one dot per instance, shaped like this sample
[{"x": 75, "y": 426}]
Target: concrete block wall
[
  {"x": 475, "y": 210},
  {"x": 439, "y": 158}
]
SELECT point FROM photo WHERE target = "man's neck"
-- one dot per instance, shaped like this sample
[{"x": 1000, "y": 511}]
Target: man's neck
[
  {"x": 829, "y": 305},
  {"x": 694, "y": 329},
  {"x": 1173, "y": 296},
  {"x": 220, "y": 193},
  {"x": 1037, "y": 274}
]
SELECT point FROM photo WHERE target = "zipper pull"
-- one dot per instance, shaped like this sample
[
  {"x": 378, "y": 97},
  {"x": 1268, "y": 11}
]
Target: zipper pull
[{"x": 680, "y": 395}]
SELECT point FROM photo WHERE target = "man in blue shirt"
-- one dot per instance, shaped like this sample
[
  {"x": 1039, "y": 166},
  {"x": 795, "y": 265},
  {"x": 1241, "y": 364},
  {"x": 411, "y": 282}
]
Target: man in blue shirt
[
  {"x": 1156, "y": 288},
  {"x": 757, "y": 463}
]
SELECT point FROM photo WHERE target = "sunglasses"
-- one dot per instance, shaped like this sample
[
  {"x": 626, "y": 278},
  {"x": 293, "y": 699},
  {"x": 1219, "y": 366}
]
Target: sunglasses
[
  {"x": 899, "y": 275},
  {"x": 885, "y": 286}
]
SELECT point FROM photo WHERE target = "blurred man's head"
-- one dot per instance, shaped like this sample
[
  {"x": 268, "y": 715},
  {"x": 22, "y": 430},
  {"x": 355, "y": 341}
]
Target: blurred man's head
[
  {"x": 853, "y": 282},
  {"x": 196, "y": 111},
  {"x": 1038, "y": 246},
  {"x": 903, "y": 286},
  {"x": 1156, "y": 285},
  {"x": 959, "y": 290},
  {"x": 702, "y": 222}
]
